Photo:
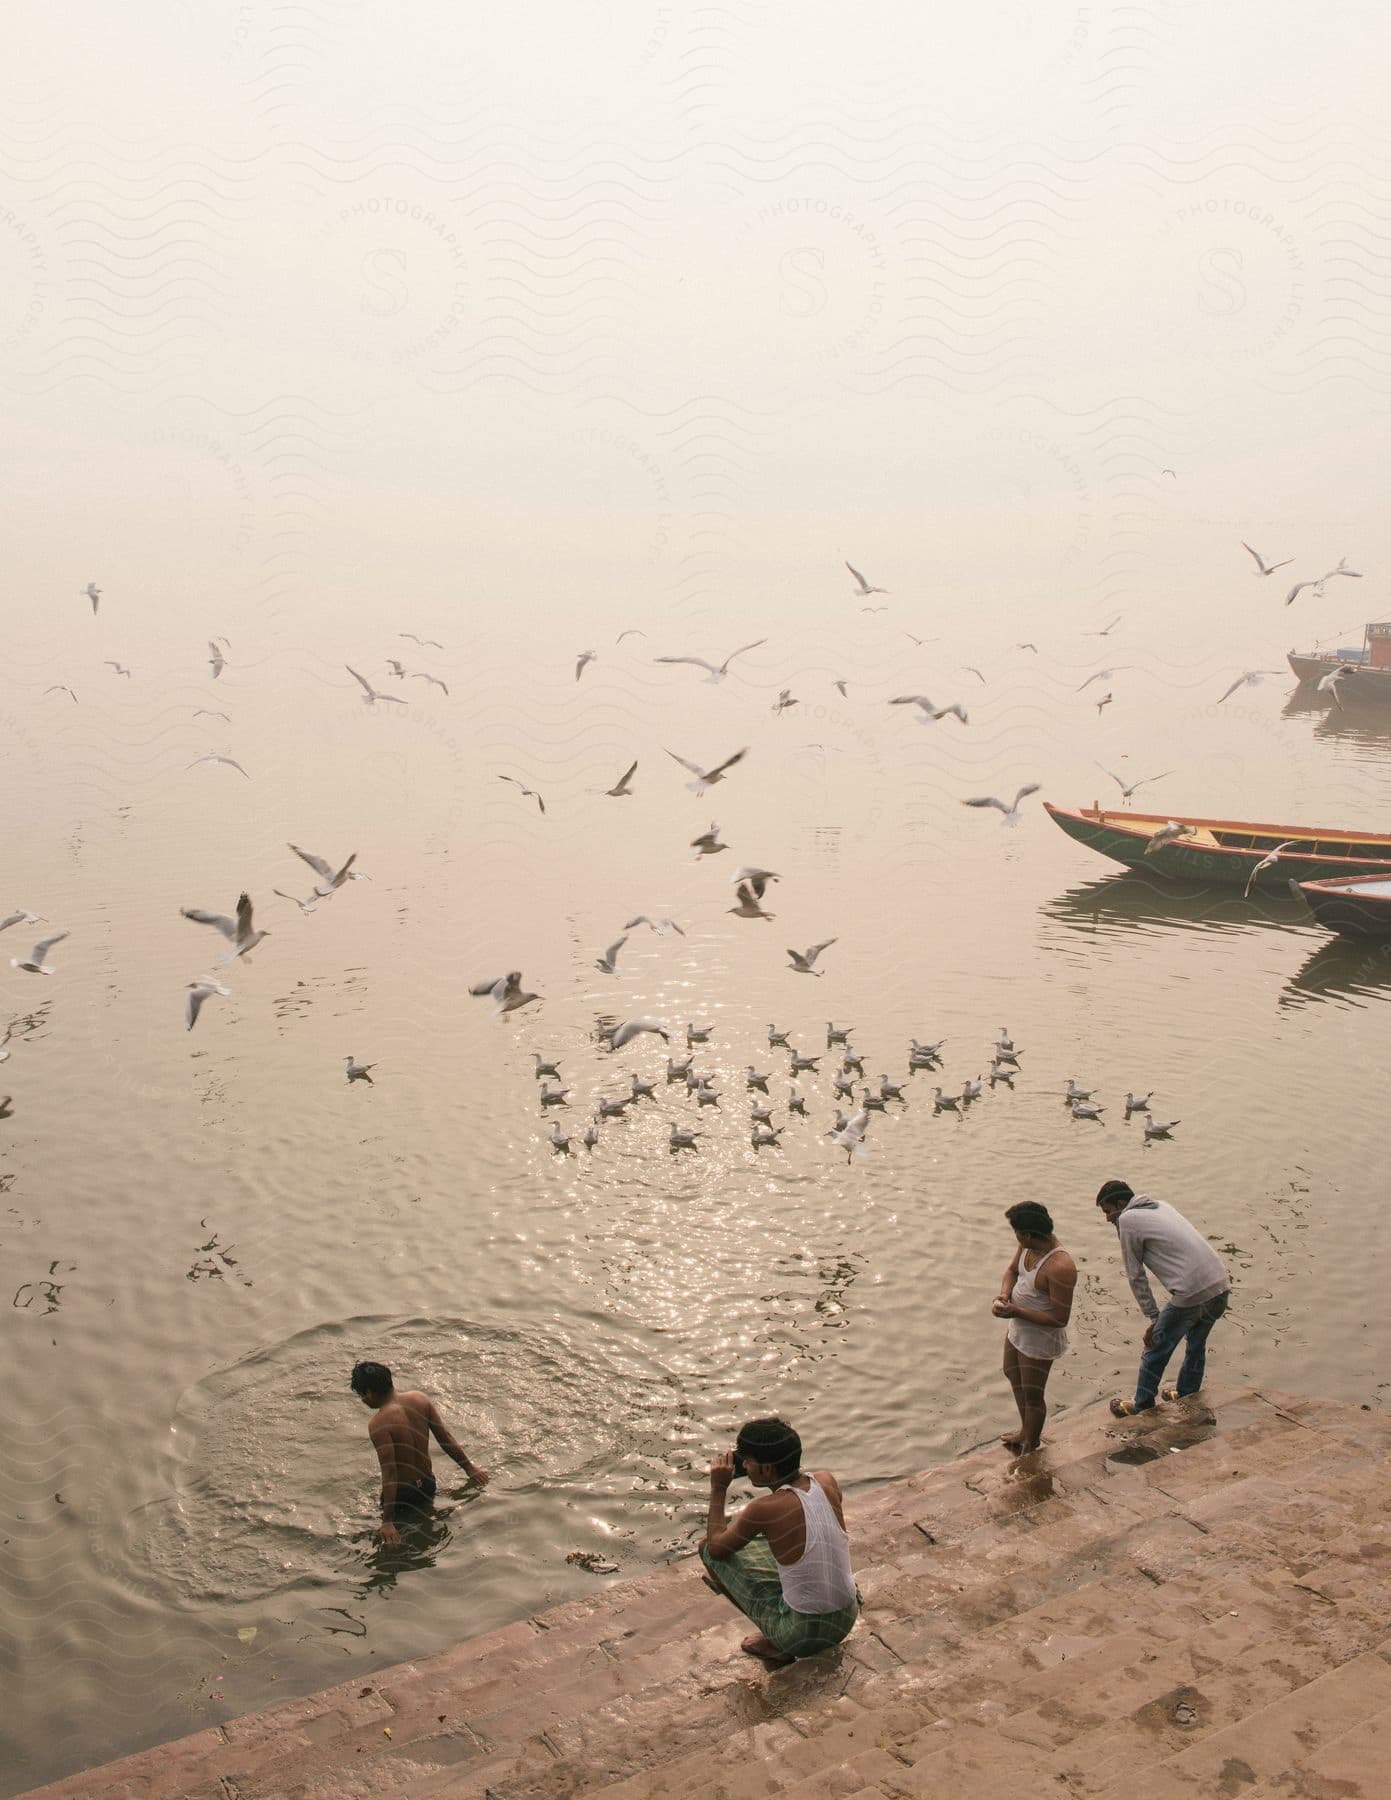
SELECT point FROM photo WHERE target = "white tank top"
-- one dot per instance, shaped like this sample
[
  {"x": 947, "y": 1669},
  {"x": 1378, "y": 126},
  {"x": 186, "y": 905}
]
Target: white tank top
[{"x": 820, "y": 1581}]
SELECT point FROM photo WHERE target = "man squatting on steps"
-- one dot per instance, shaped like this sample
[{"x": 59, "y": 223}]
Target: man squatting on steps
[
  {"x": 1156, "y": 1237},
  {"x": 785, "y": 1560}
]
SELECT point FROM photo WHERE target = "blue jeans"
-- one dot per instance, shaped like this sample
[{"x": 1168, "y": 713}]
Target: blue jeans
[{"x": 1176, "y": 1322}]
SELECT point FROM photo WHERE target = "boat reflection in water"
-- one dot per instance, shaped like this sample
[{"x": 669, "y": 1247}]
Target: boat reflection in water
[
  {"x": 1337, "y": 969},
  {"x": 1367, "y": 722},
  {"x": 1358, "y": 972},
  {"x": 1138, "y": 902}
]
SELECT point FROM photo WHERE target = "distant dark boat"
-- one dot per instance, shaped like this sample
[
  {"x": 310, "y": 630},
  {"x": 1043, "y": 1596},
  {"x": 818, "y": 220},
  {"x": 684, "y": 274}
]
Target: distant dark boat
[
  {"x": 1353, "y": 906},
  {"x": 1368, "y": 666},
  {"x": 1225, "y": 850}
]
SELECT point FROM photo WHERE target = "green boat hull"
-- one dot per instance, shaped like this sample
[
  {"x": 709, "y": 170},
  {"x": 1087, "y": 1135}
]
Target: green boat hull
[{"x": 1178, "y": 861}]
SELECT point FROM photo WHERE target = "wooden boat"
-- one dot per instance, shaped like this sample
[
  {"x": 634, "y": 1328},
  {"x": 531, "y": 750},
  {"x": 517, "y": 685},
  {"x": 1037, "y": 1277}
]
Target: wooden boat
[
  {"x": 1368, "y": 666},
  {"x": 1353, "y": 906},
  {"x": 1225, "y": 850}
]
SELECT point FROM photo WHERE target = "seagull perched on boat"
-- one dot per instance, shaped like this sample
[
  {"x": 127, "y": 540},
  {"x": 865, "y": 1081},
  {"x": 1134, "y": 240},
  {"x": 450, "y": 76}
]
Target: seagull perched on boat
[
  {"x": 1168, "y": 834},
  {"x": 1262, "y": 566},
  {"x": 1011, "y": 811},
  {"x": 803, "y": 961},
  {"x": 708, "y": 843},
  {"x": 620, "y": 789},
  {"x": 705, "y": 778},
  {"x": 717, "y": 672},
  {"x": 238, "y": 931},
  {"x": 196, "y": 993},
  {"x": 585, "y": 656},
  {"x": 34, "y": 963},
  {"x": 369, "y": 694},
  {"x": 632, "y": 1028},
  {"x": 528, "y": 793},
  {"x": 862, "y": 587},
  {"x": 748, "y": 906},
  {"x": 1266, "y": 862},
  {"x": 1329, "y": 684},
  {"x": 1251, "y": 678},
  {"x": 1156, "y": 1128},
  {"x": 1128, "y": 788},
  {"x": 330, "y": 879}
]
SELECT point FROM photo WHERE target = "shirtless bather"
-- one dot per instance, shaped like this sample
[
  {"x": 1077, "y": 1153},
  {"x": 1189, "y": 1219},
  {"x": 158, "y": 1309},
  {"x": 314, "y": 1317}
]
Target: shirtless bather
[{"x": 400, "y": 1433}]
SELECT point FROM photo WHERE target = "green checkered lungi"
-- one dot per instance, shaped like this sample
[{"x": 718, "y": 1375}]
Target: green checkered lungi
[{"x": 751, "y": 1580}]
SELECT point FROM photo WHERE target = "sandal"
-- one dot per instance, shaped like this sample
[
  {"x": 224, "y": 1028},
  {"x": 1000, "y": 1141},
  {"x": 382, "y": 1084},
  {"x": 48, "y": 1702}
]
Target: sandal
[
  {"x": 1124, "y": 1409},
  {"x": 1171, "y": 1393},
  {"x": 775, "y": 1658}
]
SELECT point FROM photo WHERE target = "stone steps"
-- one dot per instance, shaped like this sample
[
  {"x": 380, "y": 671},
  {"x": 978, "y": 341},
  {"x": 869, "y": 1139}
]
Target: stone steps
[{"x": 1199, "y": 1590}]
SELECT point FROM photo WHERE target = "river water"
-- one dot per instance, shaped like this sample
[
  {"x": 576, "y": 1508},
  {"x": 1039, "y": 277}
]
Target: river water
[{"x": 329, "y": 332}]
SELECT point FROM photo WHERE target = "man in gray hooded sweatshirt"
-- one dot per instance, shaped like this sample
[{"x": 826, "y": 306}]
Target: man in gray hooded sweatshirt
[{"x": 1155, "y": 1237}]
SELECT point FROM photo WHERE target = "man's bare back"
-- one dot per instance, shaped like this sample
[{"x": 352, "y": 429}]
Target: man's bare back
[{"x": 400, "y": 1430}]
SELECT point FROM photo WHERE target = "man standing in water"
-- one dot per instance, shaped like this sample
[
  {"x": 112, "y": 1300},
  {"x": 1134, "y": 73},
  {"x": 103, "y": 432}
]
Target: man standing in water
[
  {"x": 400, "y": 1433},
  {"x": 1156, "y": 1237}
]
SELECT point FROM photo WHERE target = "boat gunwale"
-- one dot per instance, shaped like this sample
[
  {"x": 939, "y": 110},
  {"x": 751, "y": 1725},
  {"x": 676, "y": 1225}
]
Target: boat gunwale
[
  {"x": 1128, "y": 825},
  {"x": 1331, "y": 886}
]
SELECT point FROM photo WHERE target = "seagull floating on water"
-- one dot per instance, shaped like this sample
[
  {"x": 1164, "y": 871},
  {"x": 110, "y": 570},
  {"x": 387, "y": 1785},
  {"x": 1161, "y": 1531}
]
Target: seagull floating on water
[
  {"x": 553, "y": 1096},
  {"x": 1139, "y": 1102},
  {"x": 560, "y": 1140},
  {"x": 1156, "y": 1128},
  {"x": 682, "y": 1138},
  {"x": 1085, "y": 1109},
  {"x": 800, "y": 1062},
  {"x": 544, "y": 1068},
  {"x": 357, "y": 1071}
]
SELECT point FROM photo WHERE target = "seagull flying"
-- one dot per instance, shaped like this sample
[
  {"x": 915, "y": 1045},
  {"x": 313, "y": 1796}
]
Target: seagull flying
[
  {"x": 238, "y": 931},
  {"x": 803, "y": 961},
  {"x": 708, "y": 843},
  {"x": 585, "y": 656},
  {"x": 418, "y": 675},
  {"x": 1106, "y": 630},
  {"x": 1011, "y": 811},
  {"x": 22, "y": 917},
  {"x": 424, "y": 643},
  {"x": 705, "y": 778},
  {"x": 757, "y": 878},
  {"x": 841, "y": 686},
  {"x": 862, "y": 587},
  {"x": 58, "y": 688},
  {"x": 748, "y": 906},
  {"x": 717, "y": 673},
  {"x": 1329, "y": 684},
  {"x": 608, "y": 962},
  {"x": 662, "y": 927},
  {"x": 231, "y": 763},
  {"x": 215, "y": 659},
  {"x": 203, "y": 712},
  {"x": 1128, "y": 788},
  {"x": 1251, "y": 678},
  {"x": 1167, "y": 834},
  {"x": 784, "y": 700},
  {"x": 118, "y": 667},
  {"x": 1266, "y": 862},
  {"x": 306, "y": 906},
  {"x": 1105, "y": 700},
  {"x": 398, "y": 669},
  {"x": 34, "y": 962},
  {"x": 329, "y": 877},
  {"x": 620, "y": 789},
  {"x": 369, "y": 693},
  {"x": 632, "y": 1028},
  {"x": 198, "y": 992},
  {"x": 530, "y": 793},
  {"x": 1262, "y": 566},
  {"x": 1103, "y": 675},
  {"x": 929, "y": 714},
  {"x": 93, "y": 593}
]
